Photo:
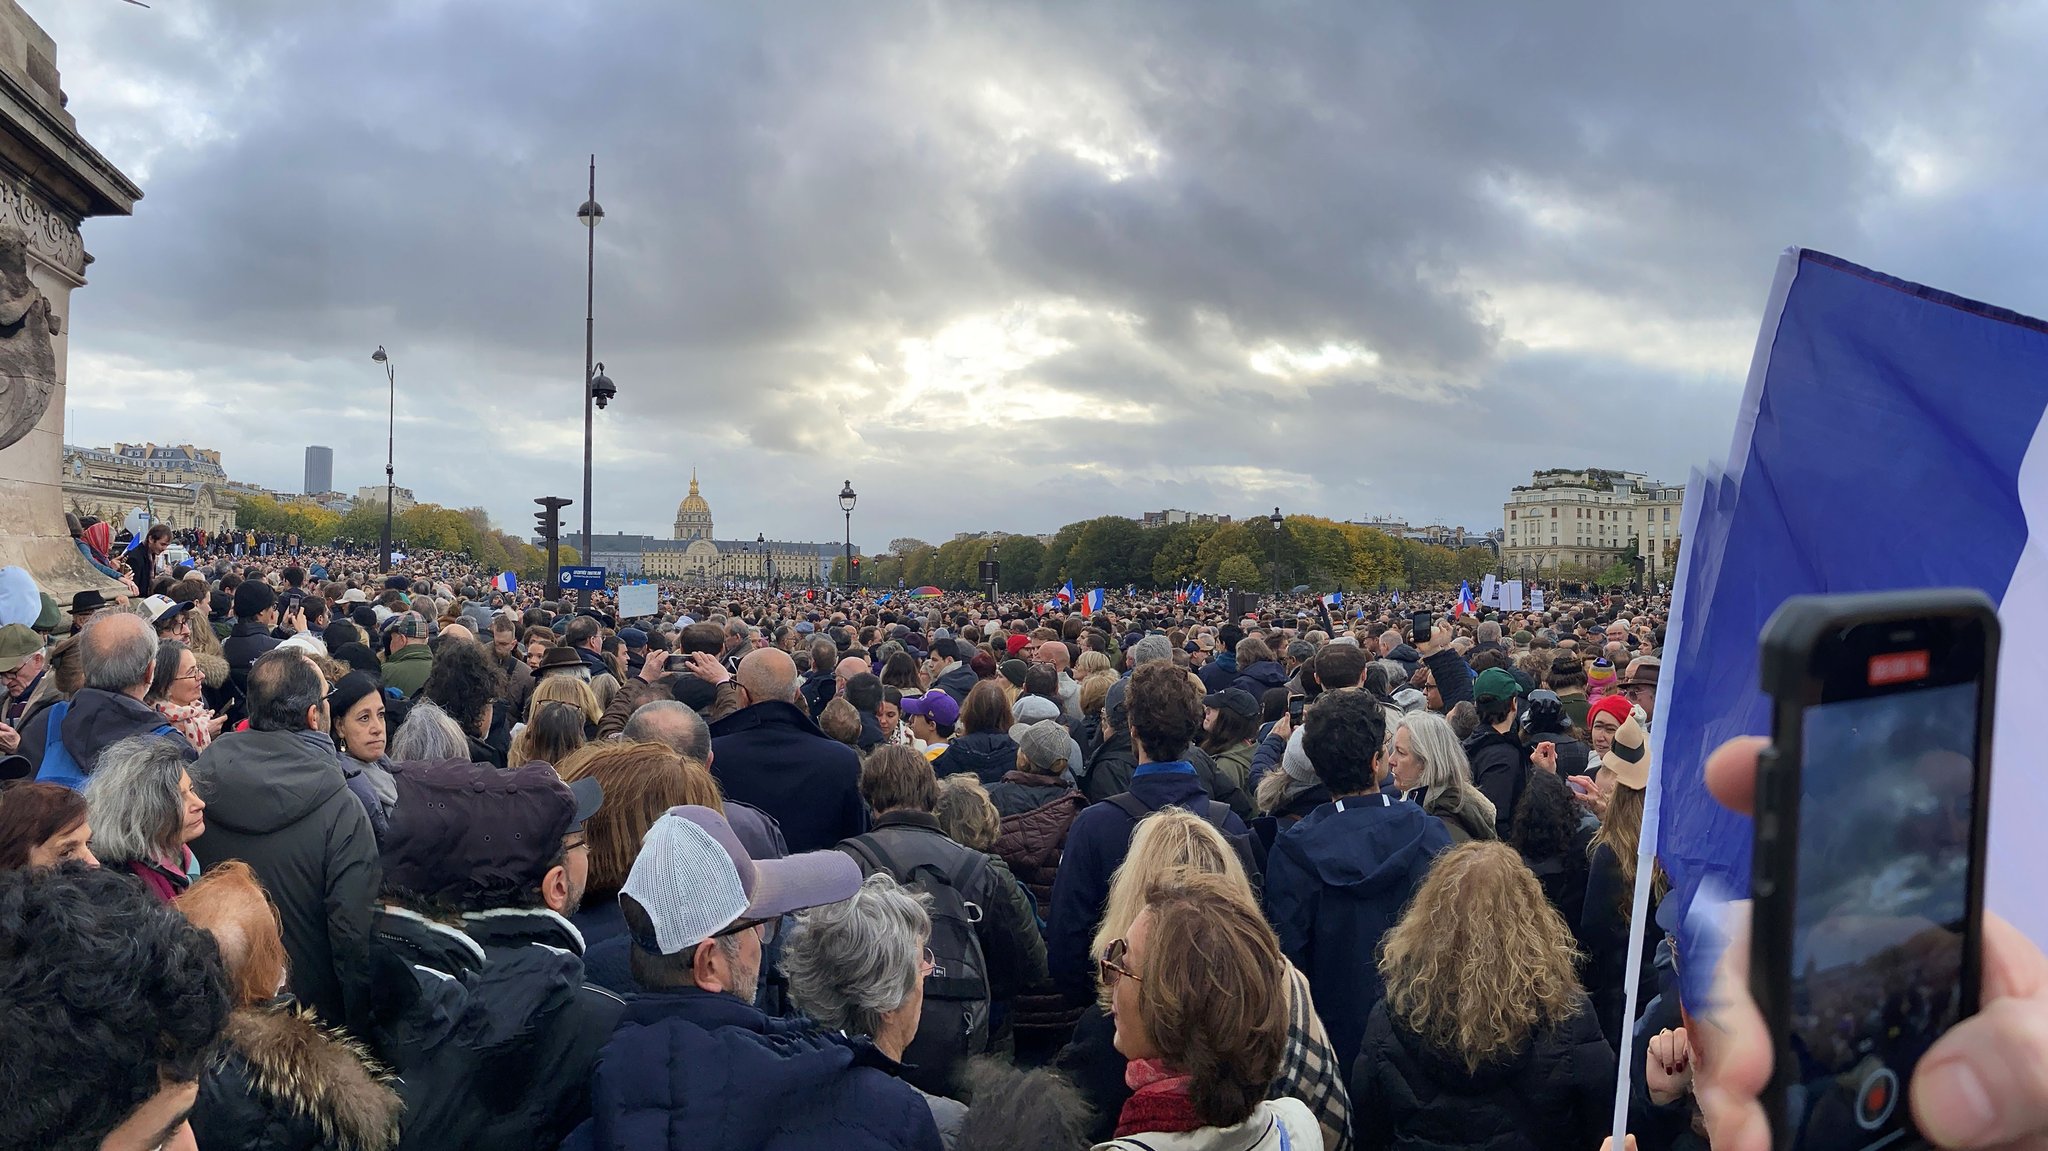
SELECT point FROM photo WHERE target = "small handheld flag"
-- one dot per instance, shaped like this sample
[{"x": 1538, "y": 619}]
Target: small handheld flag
[
  {"x": 1195, "y": 594},
  {"x": 1066, "y": 594},
  {"x": 1094, "y": 602},
  {"x": 1464, "y": 598},
  {"x": 506, "y": 582}
]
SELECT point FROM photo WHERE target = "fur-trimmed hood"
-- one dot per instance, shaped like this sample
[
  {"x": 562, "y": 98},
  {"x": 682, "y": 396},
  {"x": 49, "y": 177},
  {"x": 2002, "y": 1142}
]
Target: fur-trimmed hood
[
  {"x": 291, "y": 1064},
  {"x": 214, "y": 667}
]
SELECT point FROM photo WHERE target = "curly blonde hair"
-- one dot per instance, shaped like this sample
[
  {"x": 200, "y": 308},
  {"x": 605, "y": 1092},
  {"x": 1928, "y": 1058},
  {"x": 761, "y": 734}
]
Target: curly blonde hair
[
  {"x": 966, "y": 813},
  {"x": 1480, "y": 960}
]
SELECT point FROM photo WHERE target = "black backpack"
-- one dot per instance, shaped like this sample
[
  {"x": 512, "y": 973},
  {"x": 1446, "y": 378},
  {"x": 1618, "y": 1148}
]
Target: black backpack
[
  {"x": 955, "y": 1026},
  {"x": 1217, "y": 814}
]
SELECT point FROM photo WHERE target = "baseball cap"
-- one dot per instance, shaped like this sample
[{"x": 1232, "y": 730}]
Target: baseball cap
[
  {"x": 934, "y": 703},
  {"x": 694, "y": 879},
  {"x": 1234, "y": 699},
  {"x": 162, "y": 609},
  {"x": 1493, "y": 685},
  {"x": 475, "y": 834},
  {"x": 18, "y": 642},
  {"x": 1044, "y": 743}
]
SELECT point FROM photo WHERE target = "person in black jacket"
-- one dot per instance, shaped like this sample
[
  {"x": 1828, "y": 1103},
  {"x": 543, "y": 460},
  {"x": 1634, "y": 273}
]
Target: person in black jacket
[
  {"x": 1555, "y": 842},
  {"x": 770, "y": 755},
  {"x": 255, "y": 616},
  {"x": 981, "y": 744},
  {"x": 281, "y": 1082},
  {"x": 1484, "y": 1037},
  {"x": 277, "y": 799},
  {"x": 906, "y": 840},
  {"x": 493, "y": 1030},
  {"x": 1605, "y": 925},
  {"x": 1500, "y": 765}
]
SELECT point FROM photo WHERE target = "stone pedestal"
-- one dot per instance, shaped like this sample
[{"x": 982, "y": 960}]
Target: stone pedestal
[{"x": 51, "y": 180}]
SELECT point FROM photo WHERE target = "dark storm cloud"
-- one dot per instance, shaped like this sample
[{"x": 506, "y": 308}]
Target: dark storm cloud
[{"x": 1005, "y": 266}]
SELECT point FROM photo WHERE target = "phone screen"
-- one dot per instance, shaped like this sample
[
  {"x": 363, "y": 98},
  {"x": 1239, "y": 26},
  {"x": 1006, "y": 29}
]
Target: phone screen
[
  {"x": 1887, "y": 795},
  {"x": 1419, "y": 627}
]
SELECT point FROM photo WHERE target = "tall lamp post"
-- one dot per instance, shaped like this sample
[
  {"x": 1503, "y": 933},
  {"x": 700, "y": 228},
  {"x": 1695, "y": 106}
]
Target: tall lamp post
[
  {"x": 846, "y": 498},
  {"x": 390, "y": 438},
  {"x": 1276, "y": 521},
  {"x": 767, "y": 557},
  {"x": 597, "y": 387}
]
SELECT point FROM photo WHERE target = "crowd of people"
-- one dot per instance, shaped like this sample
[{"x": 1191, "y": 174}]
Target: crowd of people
[{"x": 300, "y": 853}]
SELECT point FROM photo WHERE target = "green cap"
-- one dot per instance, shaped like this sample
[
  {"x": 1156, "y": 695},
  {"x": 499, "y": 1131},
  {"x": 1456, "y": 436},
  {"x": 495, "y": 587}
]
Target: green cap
[
  {"x": 17, "y": 644},
  {"x": 1495, "y": 684},
  {"x": 50, "y": 616}
]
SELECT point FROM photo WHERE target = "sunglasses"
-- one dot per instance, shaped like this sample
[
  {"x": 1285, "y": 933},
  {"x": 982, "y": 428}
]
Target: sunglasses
[{"x": 1110, "y": 968}]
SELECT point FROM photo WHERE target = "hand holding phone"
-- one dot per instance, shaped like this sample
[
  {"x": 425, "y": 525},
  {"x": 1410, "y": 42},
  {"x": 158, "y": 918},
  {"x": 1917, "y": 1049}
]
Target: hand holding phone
[{"x": 1868, "y": 878}]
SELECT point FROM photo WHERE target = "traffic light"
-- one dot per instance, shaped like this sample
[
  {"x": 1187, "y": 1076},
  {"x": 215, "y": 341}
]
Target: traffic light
[
  {"x": 550, "y": 525},
  {"x": 853, "y": 576}
]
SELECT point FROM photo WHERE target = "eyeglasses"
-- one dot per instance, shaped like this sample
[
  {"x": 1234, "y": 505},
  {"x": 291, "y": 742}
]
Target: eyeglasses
[
  {"x": 571, "y": 843},
  {"x": 767, "y": 927},
  {"x": 1110, "y": 967},
  {"x": 195, "y": 673}
]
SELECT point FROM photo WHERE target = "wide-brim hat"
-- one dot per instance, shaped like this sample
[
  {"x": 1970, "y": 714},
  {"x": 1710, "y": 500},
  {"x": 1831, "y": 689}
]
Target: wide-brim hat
[
  {"x": 1629, "y": 757},
  {"x": 559, "y": 658}
]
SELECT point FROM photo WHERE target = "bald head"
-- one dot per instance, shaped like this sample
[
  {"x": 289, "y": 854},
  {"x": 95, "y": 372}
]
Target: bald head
[
  {"x": 456, "y": 631},
  {"x": 676, "y": 724},
  {"x": 849, "y": 667},
  {"x": 119, "y": 652},
  {"x": 768, "y": 674}
]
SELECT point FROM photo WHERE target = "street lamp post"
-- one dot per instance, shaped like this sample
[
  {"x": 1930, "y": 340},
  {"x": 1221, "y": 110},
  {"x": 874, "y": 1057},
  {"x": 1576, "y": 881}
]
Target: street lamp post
[
  {"x": 596, "y": 387},
  {"x": 1276, "y": 521},
  {"x": 767, "y": 558},
  {"x": 846, "y": 498},
  {"x": 390, "y": 438}
]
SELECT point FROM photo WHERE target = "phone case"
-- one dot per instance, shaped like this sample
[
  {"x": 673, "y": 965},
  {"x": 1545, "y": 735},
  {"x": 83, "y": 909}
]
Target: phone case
[{"x": 1786, "y": 674}]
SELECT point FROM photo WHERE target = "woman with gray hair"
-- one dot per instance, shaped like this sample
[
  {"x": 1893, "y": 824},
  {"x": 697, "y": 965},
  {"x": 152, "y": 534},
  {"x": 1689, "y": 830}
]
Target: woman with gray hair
[
  {"x": 859, "y": 967},
  {"x": 1430, "y": 768},
  {"x": 428, "y": 735},
  {"x": 144, "y": 812}
]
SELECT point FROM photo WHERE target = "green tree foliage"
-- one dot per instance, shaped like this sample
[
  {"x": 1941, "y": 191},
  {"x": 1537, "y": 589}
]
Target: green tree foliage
[
  {"x": 1240, "y": 571},
  {"x": 263, "y": 514}
]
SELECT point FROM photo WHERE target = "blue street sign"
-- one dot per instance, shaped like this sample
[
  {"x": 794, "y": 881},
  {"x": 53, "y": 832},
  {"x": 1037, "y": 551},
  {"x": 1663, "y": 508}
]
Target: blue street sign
[{"x": 583, "y": 579}]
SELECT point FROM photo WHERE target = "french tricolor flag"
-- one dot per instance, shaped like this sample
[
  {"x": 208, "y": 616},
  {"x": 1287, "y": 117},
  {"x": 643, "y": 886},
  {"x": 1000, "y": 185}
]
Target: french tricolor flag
[
  {"x": 1195, "y": 594},
  {"x": 1871, "y": 403},
  {"x": 1066, "y": 594},
  {"x": 1094, "y": 602},
  {"x": 506, "y": 582},
  {"x": 1465, "y": 606}
]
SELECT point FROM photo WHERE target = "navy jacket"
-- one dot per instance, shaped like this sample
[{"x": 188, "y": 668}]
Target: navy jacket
[
  {"x": 690, "y": 1068},
  {"x": 1096, "y": 842},
  {"x": 1260, "y": 678},
  {"x": 1336, "y": 882},
  {"x": 772, "y": 756},
  {"x": 987, "y": 755},
  {"x": 1218, "y": 672}
]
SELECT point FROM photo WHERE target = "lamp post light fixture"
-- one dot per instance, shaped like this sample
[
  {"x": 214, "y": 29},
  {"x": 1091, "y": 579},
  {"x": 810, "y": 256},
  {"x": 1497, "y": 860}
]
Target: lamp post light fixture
[
  {"x": 767, "y": 558},
  {"x": 597, "y": 387},
  {"x": 390, "y": 438},
  {"x": 846, "y": 499},
  {"x": 1276, "y": 522}
]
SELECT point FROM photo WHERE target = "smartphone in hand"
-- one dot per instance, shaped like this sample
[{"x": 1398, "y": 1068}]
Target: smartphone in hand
[{"x": 1868, "y": 874}]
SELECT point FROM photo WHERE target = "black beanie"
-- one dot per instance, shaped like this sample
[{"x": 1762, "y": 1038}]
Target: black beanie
[{"x": 253, "y": 598}]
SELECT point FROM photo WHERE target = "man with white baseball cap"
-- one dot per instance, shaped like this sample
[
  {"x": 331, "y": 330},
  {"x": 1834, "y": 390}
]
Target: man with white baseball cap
[{"x": 694, "y": 1063}]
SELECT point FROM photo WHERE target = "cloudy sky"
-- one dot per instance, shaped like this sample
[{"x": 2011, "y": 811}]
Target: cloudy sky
[{"x": 1010, "y": 265}]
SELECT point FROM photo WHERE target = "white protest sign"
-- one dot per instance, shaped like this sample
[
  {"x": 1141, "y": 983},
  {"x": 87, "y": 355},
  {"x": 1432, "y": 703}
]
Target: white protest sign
[
  {"x": 638, "y": 599},
  {"x": 1512, "y": 592}
]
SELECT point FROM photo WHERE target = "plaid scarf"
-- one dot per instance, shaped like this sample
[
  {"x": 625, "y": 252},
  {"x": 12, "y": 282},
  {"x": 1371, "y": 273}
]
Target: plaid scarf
[{"x": 1159, "y": 1100}]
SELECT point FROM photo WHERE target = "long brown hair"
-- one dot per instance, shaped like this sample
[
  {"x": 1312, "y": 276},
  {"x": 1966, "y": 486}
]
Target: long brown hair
[
  {"x": 641, "y": 781},
  {"x": 230, "y": 904},
  {"x": 1480, "y": 960},
  {"x": 1214, "y": 994},
  {"x": 1621, "y": 830}
]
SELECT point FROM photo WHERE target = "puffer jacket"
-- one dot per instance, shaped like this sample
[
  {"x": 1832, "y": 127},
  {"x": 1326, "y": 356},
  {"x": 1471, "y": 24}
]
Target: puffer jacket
[
  {"x": 277, "y": 800},
  {"x": 1555, "y": 1093},
  {"x": 989, "y": 755},
  {"x": 281, "y": 1082},
  {"x": 1036, "y": 815}
]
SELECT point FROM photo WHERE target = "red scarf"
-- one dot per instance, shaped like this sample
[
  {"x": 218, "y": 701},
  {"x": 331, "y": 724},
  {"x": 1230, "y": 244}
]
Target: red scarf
[{"x": 1159, "y": 1100}]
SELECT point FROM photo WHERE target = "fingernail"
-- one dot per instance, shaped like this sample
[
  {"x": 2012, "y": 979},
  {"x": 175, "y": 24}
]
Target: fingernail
[{"x": 1954, "y": 1108}]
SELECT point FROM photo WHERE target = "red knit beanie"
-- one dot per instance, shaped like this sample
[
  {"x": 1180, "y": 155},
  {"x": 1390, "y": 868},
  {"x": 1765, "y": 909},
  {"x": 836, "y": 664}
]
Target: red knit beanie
[{"x": 1614, "y": 705}]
